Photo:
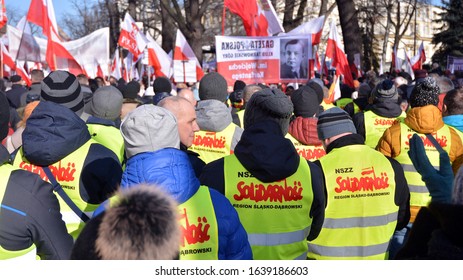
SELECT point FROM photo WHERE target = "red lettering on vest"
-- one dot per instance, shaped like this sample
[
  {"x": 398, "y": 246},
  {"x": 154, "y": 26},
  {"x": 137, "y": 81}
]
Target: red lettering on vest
[
  {"x": 389, "y": 122},
  {"x": 194, "y": 233},
  {"x": 272, "y": 192},
  {"x": 364, "y": 183},
  {"x": 210, "y": 140},
  {"x": 62, "y": 174},
  {"x": 311, "y": 154},
  {"x": 427, "y": 143}
]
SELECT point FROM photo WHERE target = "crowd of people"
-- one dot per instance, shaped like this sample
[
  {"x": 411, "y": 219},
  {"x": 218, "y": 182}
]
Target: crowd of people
[{"x": 101, "y": 169}]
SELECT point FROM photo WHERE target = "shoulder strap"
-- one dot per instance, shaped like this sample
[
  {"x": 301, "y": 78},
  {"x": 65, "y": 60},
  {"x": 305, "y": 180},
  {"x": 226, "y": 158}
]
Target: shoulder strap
[
  {"x": 57, "y": 188},
  {"x": 434, "y": 142}
]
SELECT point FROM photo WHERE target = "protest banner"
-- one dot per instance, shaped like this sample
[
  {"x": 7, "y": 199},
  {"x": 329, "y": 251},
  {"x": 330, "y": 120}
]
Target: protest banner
[{"x": 264, "y": 59}]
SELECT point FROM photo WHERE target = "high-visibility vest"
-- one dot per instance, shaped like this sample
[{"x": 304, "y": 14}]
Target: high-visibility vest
[
  {"x": 361, "y": 215},
  {"x": 275, "y": 215},
  {"x": 308, "y": 152},
  {"x": 28, "y": 253},
  {"x": 419, "y": 194},
  {"x": 213, "y": 145},
  {"x": 108, "y": 136},
  {"x": 240, "y": 114},
  {"x": 342, "y": 102},
  {"x": 67, "y": 173},
  {"x": 375, "y": 126},
  {"x": 199, "y": 226}
]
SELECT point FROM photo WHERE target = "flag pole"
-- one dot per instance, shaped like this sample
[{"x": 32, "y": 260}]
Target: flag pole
[{"x": 223, "y": 20}]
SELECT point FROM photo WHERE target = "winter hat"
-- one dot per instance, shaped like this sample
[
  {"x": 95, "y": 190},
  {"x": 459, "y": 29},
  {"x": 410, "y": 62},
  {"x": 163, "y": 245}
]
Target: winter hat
[
  {"x": 129, "y": 94},
  {"x": 213, "y": 86},
  {"x": 63, "y": 88},
  {"x": 4, "y": 116},
  {"x": 106, "y": 103},
  {"x": 318, "y": 88},
  {"x": 305, "y": 101},
  {"x": 160, "y": 96},
  {"x": 119, "y": 233},
  {"x": 364, "y": 91},
  {"x": 334, "y": 121},
  {"x": 420, "y": 74},
  {"x": 269, "y": 104},
  {"x": 239, "y": 85},
  {"x": 385, "y": 91},
  {"x": 162, "y": 84},
  {"x": 425, "y": 92},
  {"x": 149, "y": 128},
  {"x": 15, "y": 78},
  {"x": 133, "y": 88}
]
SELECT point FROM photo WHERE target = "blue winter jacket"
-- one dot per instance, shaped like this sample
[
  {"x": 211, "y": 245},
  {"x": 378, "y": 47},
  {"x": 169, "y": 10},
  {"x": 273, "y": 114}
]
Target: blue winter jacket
[{"x": 171, "y": 169}]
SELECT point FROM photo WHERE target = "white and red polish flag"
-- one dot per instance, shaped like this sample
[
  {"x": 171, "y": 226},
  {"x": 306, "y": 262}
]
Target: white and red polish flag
[
  {"x": 8, "y": 60},
  {"x": 408, "y": 66},
  {"x": 338, "y": 57},
  {"x": 314, "y": 27},
  {"x": 419, "y": 58},
  {"x": 42, "y": 13},
  {"x": 116, "y": 65},
  {"x": 131, "y": 38},
  {"x": 3, "y": 17},
  {"x": 259, "y": 16},
  {"x": 159, "y": 59},
  {"x": 396, "y": 61},
  {"x": 186, "y": 65}
]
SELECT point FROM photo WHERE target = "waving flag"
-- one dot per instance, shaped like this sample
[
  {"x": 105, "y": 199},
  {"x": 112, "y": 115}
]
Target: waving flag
[
  {"x": 334, "y": 93},
  {"x": 418, "y": 60},
  {"x": 186, "y": 64},
  {"x": 27, "y": 49},
  {"x": 131, "y": 38},
  {"x": 41, "y": 13},
  {"x": 3, "y": 18},
  {"x": 259, "y": 16},
  {"x": 408, "y": 66},
  {"x": 396, "y": 61},
  {"x": 116, "y": 65},
  {"x": 8, "y": 61},
  {"x": 159, "y": 59},
  {"x": 338, "y": 57},
  {"x": 314, "y": 27}
]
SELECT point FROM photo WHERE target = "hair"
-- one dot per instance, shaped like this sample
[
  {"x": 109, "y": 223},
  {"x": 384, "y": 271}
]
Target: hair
[
  {"x": 296, "y": 42},
  {"x": 37, "y": 76},
  {"x": 445, "y": 84},
  {"x": 83, "y": 79},
  {"x": 453, "y": 102},
  {"x": 249, "y": 90}
]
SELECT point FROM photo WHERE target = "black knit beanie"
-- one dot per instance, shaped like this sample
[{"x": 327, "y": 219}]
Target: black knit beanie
[
  {"x": 213, "y": 86},
  {"x": 162, "y": 84},
  {"x": 269, "y": 104},
  {"x": 305, "y": 102},
  {"x": 425, "y": 92}
]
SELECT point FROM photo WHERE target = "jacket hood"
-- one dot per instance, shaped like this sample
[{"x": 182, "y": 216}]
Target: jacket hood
[
  {"x": 425, "y": 119},
  {"x": 305, "y": 131},
  {"x": 266, "y": 153},
  {"x": 212, "y": 115},
  {"x": 169, "y": 168},
  {"x": 52, "y": 132}
]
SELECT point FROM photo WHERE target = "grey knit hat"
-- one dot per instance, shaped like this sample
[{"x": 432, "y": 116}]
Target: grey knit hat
[
  {"x": 106, "y": 103},
  {"x": 334, "y": 121},
  {"x": 149, "y": 128},
  {"x": 385, "y": 91},
  {"x": 213, "y": 86},
  {"x": 63, "y": 88},
  {"x": 425, "y": 92},
  {"x": 305, "y": 101},
  {"x": 269, "y": 104}
]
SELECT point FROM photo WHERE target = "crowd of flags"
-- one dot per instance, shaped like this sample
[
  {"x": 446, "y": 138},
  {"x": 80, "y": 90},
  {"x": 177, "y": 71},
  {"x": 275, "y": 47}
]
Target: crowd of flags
[{"x": 25, "y": 52}]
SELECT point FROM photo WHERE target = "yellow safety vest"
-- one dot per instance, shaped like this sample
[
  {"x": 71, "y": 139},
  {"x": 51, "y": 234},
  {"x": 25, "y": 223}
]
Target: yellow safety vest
[
  {"x": 326, "y": 106},
  {"x": 361, "y": 215},
  {"x": 419, "y": 194},
  {"x": 67, "y": 172},
  {"x": 376, "y": 125},
  {"x": 275, "y": 215},
  {"x": 240, "y": 114},
  {"x": 213, "y": 145},
  {"x": 308, "y": 152},
  {"x": 342, "y": 102},
  {"x": 199, "y": 227},
  {"x": 28, "y": 253},
  {"x": 108, "y": 136}
]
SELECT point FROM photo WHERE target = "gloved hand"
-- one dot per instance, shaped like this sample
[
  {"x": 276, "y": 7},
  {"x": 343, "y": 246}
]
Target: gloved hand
[{"x": 439, "y": 182}]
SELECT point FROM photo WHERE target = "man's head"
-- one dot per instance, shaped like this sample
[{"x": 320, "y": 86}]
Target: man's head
[
  {"x": 106, "y": 103},
  {"x": 37, "y": 76},
  {"x": 63, "y": 88},
  {"x": 185, "y": 113},
  {"x": 248, "y": 91},
  {"x": 333, "y": 124},
  {"x": 149, "y": 128},
  {"x": 294, "y": 54},
  {"x": 453, "y": 103},
  {"x": 83, "y": 79},
  {"x": 189, "y": 95},
  {"x": 386, "y": 91},
  {"x": 120, "y": 233},
  {"x": 425, "y": 92},
  {"x": 162, "y": 84},
  {"x": 305, "y": 101},
  {"x": 269, "y": 104},
  {"x": 17, "y": 80},
  {"x": 445, "y": 84},
  {"x": 213, "y": 86}
]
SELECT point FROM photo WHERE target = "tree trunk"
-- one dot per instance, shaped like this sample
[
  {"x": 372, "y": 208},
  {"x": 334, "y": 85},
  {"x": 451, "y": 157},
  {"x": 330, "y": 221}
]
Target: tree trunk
[
  {"x": 114, "y": 23},
  {"x": 350, "y": 28},
  {"x": 168, "y": 30}
]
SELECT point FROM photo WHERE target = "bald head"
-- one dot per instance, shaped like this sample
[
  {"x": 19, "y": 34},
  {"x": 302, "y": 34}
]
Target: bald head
[
  {"x": 188, "y": 95},
  {"x": 249, "y": 90},
  {"x": 185, "y": 113}
]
